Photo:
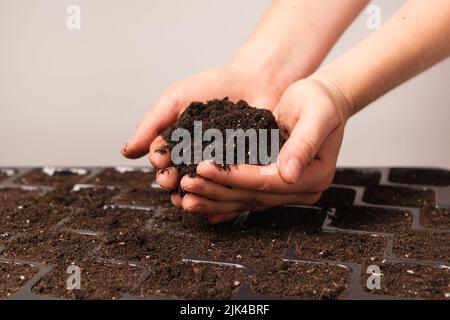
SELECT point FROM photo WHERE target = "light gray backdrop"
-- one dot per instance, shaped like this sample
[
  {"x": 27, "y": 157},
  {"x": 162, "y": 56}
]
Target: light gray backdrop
[{"x": 74, "y": 97}]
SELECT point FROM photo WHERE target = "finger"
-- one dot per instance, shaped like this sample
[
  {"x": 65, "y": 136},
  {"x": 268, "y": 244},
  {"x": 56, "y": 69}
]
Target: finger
[
  {"x": 159, "y": 156},
  {"x": 161, "y": 116},
  {"x": 304, "y": 142},
  {"x": 252, "y": 177},
  {"x": 195, "y": 203},
  {"x": 215, "y": 191},
  {"x": 175, "y": 199},
  {"x": 168, "y": 178},
  {"x": 220, "y": 218}
]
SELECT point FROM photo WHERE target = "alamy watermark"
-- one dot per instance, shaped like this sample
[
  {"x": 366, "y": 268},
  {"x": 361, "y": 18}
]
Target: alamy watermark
[
  {"x": 234, "y": 146},
  {"x": 73, "y": 21},
  {"x": 74, "y": 280}
]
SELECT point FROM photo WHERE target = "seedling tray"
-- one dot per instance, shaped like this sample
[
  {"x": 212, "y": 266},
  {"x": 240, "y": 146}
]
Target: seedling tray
[{"x": 128, "y": 242}]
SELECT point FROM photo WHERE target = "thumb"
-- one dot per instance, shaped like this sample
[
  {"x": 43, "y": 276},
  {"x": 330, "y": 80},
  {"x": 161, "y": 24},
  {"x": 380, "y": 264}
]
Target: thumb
[
  {"x": 161, "y": 116},
  {"x": 303, "y": 144}
]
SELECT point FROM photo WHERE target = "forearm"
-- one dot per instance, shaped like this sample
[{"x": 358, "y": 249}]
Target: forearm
[
  {"x": 414, "y": 39},
  {"x": 293, "y": 38}
]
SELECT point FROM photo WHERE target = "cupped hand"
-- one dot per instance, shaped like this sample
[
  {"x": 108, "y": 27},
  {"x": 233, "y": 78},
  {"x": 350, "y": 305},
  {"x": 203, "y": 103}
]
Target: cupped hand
[
  {"x": 232, "y": 81},
  {"x": 314, "y": 115}
]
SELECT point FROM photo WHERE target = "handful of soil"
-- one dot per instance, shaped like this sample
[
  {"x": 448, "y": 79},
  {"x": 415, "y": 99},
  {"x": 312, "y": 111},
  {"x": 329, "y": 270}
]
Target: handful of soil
[{"x": 222, "y": 115}]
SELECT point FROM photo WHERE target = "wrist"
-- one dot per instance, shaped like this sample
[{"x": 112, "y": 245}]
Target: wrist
[
  {"x": 270, "y": 66},
  {"x": 339, "y": 91}
]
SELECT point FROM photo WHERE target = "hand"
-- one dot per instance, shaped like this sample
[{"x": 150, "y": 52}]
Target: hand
[
  {"x": 231, "y": 81},
  {"x": 314, "y": 114}
]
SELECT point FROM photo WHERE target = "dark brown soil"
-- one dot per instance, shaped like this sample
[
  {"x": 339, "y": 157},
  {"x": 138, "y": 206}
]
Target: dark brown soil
[
  {"x": 192, "y": 281},
  {"x": 60, "y": 178},
  {"x": 413, "y": 281},
  {"x": 98, "y": 281},
  {"x": 336, "y": 197},
  {"x": 83, "y": 198},
  {"x": 423, "y": 246},
  {"x": 435, "y": 218},
  {"x": 221, "y": 115},
  {"x": 300, "y": 280},
  {"x": 31, "y": 218},
  {"x": 421, "y": 176},
  {"x": 372, "y": 219},
  {"x": 14, "y": 197},
  {"x": 104, "y": 220},
  {"x": 340, "y": 247},
  {"x": 399, "y": 196},
  {"x": 142, "y": 246},
  {"x": 135, "y": 179},
  {"x": 149, "y": 197},
  {"x": 355, "y": 177},
  {"x": 40, "y": 228},
  {"x": 51, "y": 247},
  {"x": 13, "y": 277}
]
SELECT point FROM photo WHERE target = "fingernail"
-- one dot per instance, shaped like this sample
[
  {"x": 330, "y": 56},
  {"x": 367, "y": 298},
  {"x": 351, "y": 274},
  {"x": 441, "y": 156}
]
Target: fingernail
[
  {"x": 124, "y": 148},
  {"x": 293, "y": 169}
]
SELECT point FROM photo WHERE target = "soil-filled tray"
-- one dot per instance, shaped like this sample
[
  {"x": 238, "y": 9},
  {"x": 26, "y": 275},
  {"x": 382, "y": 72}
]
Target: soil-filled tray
[
  {"x": 413, "y": 281},
  {"x": 428, "y": 177},
  {"x": 116, "y": 225},
  {"x": 52, "y": 177},
  {"x": 183, "y": 280},
  {"x": 98, "y": 280},
  {"x": 13, "y": 276},
  {"x": 125, "y": 177},
  {"x": 372, "y": 219}
]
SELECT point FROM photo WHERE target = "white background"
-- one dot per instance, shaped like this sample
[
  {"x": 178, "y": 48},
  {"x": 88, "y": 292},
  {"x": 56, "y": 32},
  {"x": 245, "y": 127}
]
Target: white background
[{"x": 74, "y": 97}]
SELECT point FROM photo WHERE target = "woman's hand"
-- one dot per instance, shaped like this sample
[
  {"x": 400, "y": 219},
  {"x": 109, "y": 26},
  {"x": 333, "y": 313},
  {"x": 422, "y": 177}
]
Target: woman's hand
[{"x": 314, "y": 113}]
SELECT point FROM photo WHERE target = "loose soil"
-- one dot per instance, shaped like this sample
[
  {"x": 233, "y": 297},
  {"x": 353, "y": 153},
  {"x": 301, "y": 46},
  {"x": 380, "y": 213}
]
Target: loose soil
[
  {"x": 221, "y": 114},
  {"x": 60, "y": 178},
  {"x": 84, "y": 198},
  {"x": 134, "y": 179},
  {"x": 342, "y": 247},
  {"x": 428, "y": 177},
  {"x": 106, "y": 220},
  {"x": 372, "y": 219},
  {"x": 13, "y": 277},
  {"x": 399, "y": 196},
  {"x": 98, "y": 281},
  {"x": 413, "y": 281},
  {"x": 31, "y": 218},
  {"x": 182, "y": 280},
  {"x": 423, "y": 246},
  {"x": 149, "y": 197},
  {"x": 51, "y": 247},
  {"x": 143, "y": 246},
  {"x": 300, "y": 280},
  {"x": 435, "y": 218}
]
